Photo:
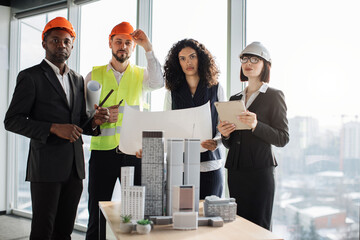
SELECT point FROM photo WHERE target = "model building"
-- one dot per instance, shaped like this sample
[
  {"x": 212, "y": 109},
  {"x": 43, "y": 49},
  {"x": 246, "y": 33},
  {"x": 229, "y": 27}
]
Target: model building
[
  {"x": 192, "y": 167},
  {"x": 132, "y": 197},
  {"x": 183, "y": 198},
  {"x": 175, "y": 168},
  {"x": 183, "y": 168},
  {"x": 153, "y": 173},
  {"x": 220, "y": 207}
]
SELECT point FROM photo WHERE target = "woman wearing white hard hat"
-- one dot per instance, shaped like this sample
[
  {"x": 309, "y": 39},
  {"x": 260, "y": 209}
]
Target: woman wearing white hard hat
[{"x": 251, "y": 161}]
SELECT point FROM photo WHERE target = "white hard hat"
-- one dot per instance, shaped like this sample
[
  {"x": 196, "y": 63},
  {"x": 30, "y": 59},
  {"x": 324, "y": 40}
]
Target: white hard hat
[{"x": 257, "y": 49}]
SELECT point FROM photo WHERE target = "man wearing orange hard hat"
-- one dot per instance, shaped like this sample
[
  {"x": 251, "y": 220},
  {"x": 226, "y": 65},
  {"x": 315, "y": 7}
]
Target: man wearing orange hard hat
[
  {"x": 130, "y": 82},
  {"x": 48, "y": 106}
]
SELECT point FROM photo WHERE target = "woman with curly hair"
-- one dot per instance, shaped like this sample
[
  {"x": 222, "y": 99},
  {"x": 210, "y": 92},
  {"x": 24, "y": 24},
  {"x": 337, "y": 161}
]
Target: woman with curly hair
[{"x": 191, "y": 77}]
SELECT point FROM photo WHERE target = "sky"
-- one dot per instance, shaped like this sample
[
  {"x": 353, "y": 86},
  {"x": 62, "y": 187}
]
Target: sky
[{"x": 315, "y": 51}]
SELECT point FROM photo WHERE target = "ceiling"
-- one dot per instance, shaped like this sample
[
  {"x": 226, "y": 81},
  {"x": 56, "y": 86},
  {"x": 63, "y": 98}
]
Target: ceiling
[{"x": 5, "y": 3}]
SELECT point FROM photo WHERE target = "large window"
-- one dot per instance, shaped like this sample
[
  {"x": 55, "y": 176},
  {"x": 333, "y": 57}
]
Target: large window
[
  {"x": 315, "y": 51},
  {"x": 31, "y": 53},
  {"x": 97, "y": 21},
  {"x": 202, "y": 20}
]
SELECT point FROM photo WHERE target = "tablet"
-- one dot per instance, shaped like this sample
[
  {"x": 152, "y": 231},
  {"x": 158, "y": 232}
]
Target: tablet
[{"x": 229, "y": 110}]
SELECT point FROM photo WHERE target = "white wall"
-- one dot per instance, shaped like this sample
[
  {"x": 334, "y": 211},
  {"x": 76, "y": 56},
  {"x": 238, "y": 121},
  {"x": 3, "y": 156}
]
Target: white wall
[{"x": 4, "y": 76}]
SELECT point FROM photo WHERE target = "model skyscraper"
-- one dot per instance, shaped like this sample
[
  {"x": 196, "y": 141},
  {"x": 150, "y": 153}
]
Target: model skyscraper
[
  {"x": 132, "y": 197},
  {"x": 192, "y": 167},
  {"x": 182, "y": 168},
  {"x": 153, "y": 173},
  {"x": 127, "y": 176},
  {"x": 175, "y": 168}
]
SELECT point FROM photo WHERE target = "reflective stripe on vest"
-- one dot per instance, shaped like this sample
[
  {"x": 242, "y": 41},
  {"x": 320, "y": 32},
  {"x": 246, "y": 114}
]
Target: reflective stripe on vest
[
  {"x": 110, "y": 131},
  {"x": 121, "y": 108},
  {"x": 129, "y": 89}
]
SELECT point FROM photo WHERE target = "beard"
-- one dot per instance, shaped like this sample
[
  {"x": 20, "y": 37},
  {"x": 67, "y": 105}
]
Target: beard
[
  {"x": 61, "y": 58},
  {"x": 121, "y": 59},
  {"x": 58, "y": 57}
]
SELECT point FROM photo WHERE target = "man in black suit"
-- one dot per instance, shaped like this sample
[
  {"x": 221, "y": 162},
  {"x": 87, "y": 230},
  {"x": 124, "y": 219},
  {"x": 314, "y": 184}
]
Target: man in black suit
[{"x": 48, "y": 106}]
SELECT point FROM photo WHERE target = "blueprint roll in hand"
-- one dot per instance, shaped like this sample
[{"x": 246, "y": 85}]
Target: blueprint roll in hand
[{"x": 92, "y": 96}]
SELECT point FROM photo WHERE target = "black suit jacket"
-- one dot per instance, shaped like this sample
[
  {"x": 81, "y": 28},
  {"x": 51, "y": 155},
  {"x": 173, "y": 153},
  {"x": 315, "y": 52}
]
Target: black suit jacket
[
  {"x": 38, "y": 101},
  {"x": 252, "y": 149}
]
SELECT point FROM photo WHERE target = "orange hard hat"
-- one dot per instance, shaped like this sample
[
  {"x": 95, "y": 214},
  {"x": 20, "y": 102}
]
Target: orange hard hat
[
  {"x": 60, "y": 22},
  {"x": 123, "y": 28}
]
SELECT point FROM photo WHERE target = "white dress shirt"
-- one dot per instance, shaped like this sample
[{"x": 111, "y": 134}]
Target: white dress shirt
[
  {"x": 253, "y": 96},
  {"x": 63, "y": 79}
]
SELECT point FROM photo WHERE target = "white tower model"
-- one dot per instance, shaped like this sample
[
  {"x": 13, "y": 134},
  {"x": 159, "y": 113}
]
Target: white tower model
[
  {"x": 132, "y": 197},
  {"x": 153, "y": 173},
  {"x": 192, "y": 167},
  {"x": 127, "y": 176},
  {"x": 175, "y": 168}
]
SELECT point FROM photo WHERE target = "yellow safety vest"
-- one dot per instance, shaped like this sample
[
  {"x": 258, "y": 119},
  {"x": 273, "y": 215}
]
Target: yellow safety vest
[{"x": 129, "y": 89}]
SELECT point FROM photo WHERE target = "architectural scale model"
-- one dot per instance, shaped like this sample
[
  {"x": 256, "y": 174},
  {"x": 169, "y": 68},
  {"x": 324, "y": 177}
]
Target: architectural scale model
[
  {"x": 132, "y": 197},
  {"x": 220, "y": 207},
  {"x": 175, "y": 168},
  {"x": 185, "y": 220},
  {"x": 153, "y": 173},
  {"x": 202, "y": 221},
  {"x": 192, "y": 167},
  {"x": 161, "y": 220},
  {"x": 127, "y": 176},
  {"x": 183, "y": 198},
  {"x": 183, "y": 168},
  {"x": 210, "y": 221}
]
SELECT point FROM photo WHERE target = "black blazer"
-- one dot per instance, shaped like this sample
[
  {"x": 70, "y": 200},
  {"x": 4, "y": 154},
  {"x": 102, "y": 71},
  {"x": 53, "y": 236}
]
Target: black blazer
[
  {"x": 38, "y": 101},
  {"x": 250, "y": 150}
]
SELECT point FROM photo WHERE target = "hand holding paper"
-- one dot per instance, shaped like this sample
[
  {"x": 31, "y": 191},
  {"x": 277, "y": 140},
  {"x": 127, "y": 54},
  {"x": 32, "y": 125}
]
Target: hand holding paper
[{"x": 209, "y": 144}]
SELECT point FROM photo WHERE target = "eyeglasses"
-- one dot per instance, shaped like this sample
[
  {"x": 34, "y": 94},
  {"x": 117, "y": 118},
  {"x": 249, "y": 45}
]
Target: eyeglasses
[{"x": 252, "y": 59}]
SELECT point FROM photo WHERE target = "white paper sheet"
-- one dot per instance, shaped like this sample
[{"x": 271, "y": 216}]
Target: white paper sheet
[
  {"x": 93, "y": 93},
  {"x": 184, "y": 123}
]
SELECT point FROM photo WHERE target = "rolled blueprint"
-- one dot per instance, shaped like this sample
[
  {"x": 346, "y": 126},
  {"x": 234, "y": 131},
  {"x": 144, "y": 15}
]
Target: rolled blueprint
[{"x": 92, "y": 96}]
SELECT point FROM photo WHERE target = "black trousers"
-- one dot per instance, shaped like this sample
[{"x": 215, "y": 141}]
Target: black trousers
[
  {"x": 104, "y": 170},
  {"x": 211, "y": 183},
  {"x": 54, "y": 207},
  {"x": 254, "y": 193}
]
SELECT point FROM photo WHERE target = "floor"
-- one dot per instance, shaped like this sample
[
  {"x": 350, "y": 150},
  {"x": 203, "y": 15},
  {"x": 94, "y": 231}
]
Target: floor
[{"x": 18, "y": 228}]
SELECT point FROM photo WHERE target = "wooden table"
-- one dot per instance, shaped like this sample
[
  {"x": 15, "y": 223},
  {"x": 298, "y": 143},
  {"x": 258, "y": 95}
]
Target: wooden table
[{"x": 238, "y": 229}]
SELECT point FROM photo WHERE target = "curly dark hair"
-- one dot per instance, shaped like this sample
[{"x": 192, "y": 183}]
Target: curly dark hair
[{"x": 207, "y": 68}]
